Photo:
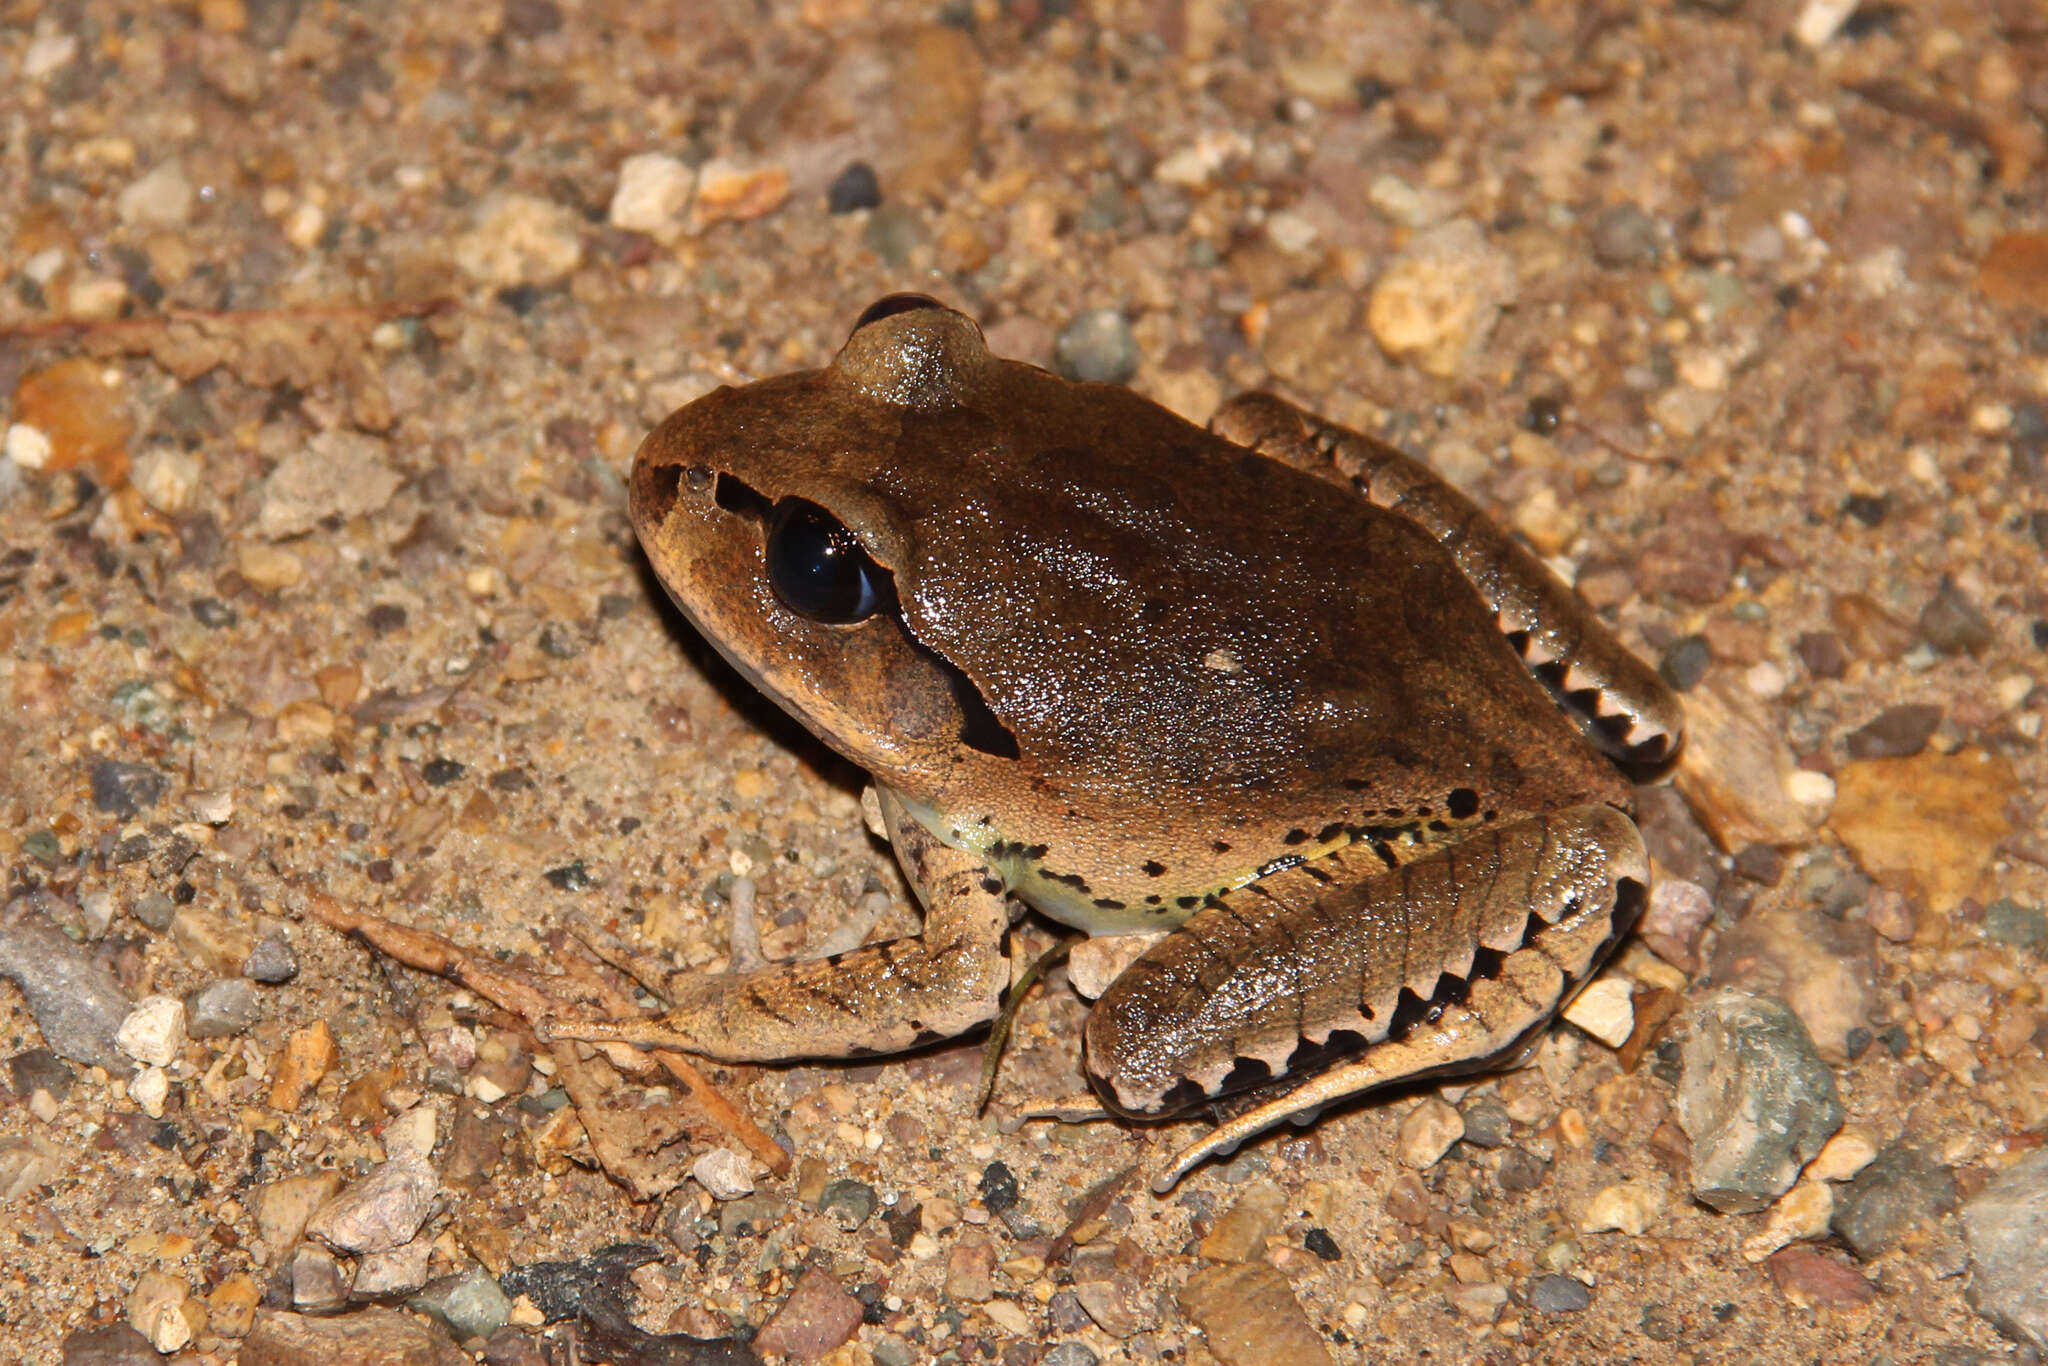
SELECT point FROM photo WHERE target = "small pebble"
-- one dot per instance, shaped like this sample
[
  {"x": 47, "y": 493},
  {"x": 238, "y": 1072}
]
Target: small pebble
[
  {"x": 854, "y": 188},
  {"x": 1685, "y": 662},
  {"x": 653, "y": 196},
  {"x": 1629, "y": 1207},
  {"x": 1605, "y": 1009},
  {"x": 1625, "y": 236},
  {"x": 2007, "y": 1226},
  {"x": 726, "y": 1174},
  {"x": 1556, "y": 1294},
  {"x": 470, "y": 1304},
  {"x": 156, "y": 1309},
  {"x": 271, "y": 962},
  {"x": 850, "y": 1203},
  {"x": 1097, "y": 347},
  {"x": 1520, "y": 1170},
  {"x": 1953, "y": 624},
  {"x": 1896, "y": 733},
  {"x": 381, "y": 1211},
  {"x": 221, "y": 1009},
  {"x": 1756, "y": 1100},
  {"x": 154, "y": 1031},
  {"x": 1902, "y": 1188},
  {"x": 1427, "y": 1133},
  {"x": 1438, "y": 300}
]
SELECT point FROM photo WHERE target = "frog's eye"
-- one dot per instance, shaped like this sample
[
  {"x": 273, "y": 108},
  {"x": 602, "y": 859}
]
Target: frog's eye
[
  {"x": 818, "y": 567},
  {"x": 890, "y": 305}
]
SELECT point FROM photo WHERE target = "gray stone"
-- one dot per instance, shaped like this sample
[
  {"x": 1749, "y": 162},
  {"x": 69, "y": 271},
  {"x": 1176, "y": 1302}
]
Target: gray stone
[
  {"x": 850, "y": 1203},
  {"x": 471, "y": 1304},
  {"x": 1486, "y": 1124},
  {"x": 122, "y": 790},
  {"x": 1902, "y": 1187},
  {"x": 271, "y": 962},
  {"x": 1097, "y": 346},
  {"x": 2007, "y": 1225},
  {"x": 1070, "y": 1354},
  {"x": 2008, "y": 922},
  {"x": 221, "y": 1009},
  {"x": 1625, "y": 236},
  {"x": 1559, "y": 1295},
  {"x": 75, "y": 1001},
  {"x": 1755, "y": 1099}
]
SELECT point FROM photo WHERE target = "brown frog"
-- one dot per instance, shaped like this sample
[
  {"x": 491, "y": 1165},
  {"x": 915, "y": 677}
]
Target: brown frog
[{"x": 1272, "y": 685}]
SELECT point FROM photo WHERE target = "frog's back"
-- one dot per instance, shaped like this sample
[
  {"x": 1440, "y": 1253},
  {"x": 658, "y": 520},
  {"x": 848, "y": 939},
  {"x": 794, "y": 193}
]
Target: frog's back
[{"x": 1152, "y": 600}]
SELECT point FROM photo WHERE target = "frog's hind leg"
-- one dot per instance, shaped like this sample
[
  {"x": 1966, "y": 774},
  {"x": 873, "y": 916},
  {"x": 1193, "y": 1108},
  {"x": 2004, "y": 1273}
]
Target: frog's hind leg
[
  {"x": 882, "y": 998},
  {"x": 1628, "y": 711},
  {"x": 1447, "y": 963}
]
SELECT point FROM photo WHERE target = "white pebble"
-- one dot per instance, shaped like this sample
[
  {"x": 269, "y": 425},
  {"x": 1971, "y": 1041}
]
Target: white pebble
[
  {"x": 1606, "y": 1010},
  {"x": 1766, "y": 679},
  {"x": 48, "y": 52},
  {"x": 154, "y": 1031},
  {"x": 654, "y": 190},
  {"x": 161, "y": 199},
  {"x": 1428, "y": 1133},
  {"x": 27, "y": 446},
  {"x": 726, "y": 1174},
  {"x": 1820, "y": 20},
  {"x": 1808, "y": 788},
  {"x": 149, "y": 1089},
  {"x": 166, "y": 477},
  {"x": 1627, "y": 1208}
]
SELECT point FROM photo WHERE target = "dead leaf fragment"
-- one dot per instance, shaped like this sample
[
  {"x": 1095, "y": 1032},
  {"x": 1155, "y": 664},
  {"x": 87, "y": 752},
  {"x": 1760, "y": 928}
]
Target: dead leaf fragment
[{"x": 1928, "y": 826}]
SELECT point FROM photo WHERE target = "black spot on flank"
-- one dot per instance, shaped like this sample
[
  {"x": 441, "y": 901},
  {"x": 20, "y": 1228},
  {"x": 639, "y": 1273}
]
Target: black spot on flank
[
  {"x": 1490, "y": 815},
  {"x": 1152, "y": 869},
  {"x": 992, "y": 885},
  {"x": 1108, "y": 904},
  {"x": 1464, "y": 803},
  {"x": 1439, "y": 826},
  {"x": 1329, "y": 832},
  {"x": 1295, "y": 836},
  {"x": 1220, "y": 847},
  {"x": 1356, "y": 784},
  {"x": 1422, "y": 812},
  {"x": 1187, "y": 903},
  {"x": 1154, "y": 899},
  {"x": 1074, "y": 880},
  {"x": 1317, "y": 873}
]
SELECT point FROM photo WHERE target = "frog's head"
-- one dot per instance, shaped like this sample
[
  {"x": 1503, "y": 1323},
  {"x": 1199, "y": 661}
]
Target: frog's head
[{"x": 772, "y": 517}]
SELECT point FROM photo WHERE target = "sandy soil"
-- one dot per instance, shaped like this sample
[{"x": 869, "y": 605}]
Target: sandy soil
[{"x": 326, "y": 336}]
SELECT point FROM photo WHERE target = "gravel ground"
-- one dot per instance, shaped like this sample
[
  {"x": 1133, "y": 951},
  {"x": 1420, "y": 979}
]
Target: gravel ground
[{"x": 328, "y": 331}]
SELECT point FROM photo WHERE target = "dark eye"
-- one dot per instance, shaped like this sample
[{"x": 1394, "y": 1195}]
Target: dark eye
[{"x": 818, "y": 567}]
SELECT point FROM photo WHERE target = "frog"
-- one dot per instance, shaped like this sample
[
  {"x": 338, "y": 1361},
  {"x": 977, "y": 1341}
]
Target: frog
[{"x": 1270, "y": 686}]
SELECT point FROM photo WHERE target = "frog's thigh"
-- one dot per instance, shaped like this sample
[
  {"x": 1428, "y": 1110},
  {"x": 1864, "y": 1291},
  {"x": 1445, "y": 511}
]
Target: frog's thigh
[
  {"x": 1635, "y": 716},
  {"x": 1442, "y": 964},
  {"x": 882, "y": 998}
]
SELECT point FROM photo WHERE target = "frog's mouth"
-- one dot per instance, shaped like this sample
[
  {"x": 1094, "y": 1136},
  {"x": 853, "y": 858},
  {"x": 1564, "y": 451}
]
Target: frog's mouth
[{"x": 822, "y": 571}]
